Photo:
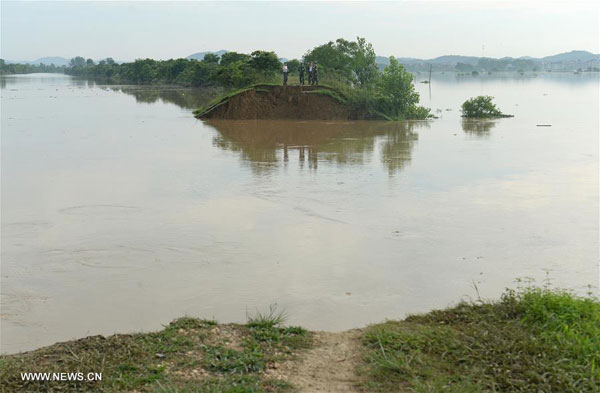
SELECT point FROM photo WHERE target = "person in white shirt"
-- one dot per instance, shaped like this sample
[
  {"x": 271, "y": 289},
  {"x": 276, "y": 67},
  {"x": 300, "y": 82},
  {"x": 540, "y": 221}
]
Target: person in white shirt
[{"x": 285, "y": 73}]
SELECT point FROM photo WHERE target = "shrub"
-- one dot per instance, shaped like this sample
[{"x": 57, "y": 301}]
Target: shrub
[{"x": 481, "y": 107}]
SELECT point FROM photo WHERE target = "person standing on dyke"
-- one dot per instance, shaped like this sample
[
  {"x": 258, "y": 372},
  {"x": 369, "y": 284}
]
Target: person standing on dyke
[
  {"x": 301, "y": 73},
  {"x": 285, "y": 73},
  {"x": 315, "y": 76},
  {"x": 310, "y": 73}
]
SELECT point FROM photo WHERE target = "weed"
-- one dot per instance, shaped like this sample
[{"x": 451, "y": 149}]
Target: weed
[
  {"x": 269, "y": 319},
  {"x": 533, "y": 339}
]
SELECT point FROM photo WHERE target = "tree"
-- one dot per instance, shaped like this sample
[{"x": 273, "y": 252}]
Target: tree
[
  {"x": 364, "y": 65},
  {"x": 353, "y": 61},
  {"x": 481, "y": 107},
  {"x": 178, "y": 67},
  {"x": 89, "y": 62},
  {"x": 396, "y": 91},
  {"x": 264, "y": 62},
  {"x": 201, "y": 73},
  {"x": 110, "y": 61},
  {"x": 77, "y": 62},
  {"x": 142, "y": 70},
  {"x": 232, "y": 57},
  {"x": 236, "y": 74},
  {"x": 210, "y": 58},
  {"x": 333, "y": 57},
  {"x": 293, "y": 65}
]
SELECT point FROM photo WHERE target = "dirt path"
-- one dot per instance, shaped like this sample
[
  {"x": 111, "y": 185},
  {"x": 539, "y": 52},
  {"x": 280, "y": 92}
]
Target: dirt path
[{"x": 330, "y": 366}]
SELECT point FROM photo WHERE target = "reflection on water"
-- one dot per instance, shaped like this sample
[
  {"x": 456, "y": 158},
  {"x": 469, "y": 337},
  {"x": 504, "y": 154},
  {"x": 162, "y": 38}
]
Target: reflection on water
[
  {"x": 567, "y": 78},
  {"x": 480, "y": 128},
  {"x": 121, "y": 211},
  {"x": 182, "y": 97},
  {"x": 264, "y": 145}
]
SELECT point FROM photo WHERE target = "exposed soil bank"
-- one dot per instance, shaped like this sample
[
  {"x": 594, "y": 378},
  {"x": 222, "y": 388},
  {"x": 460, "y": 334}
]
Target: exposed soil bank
[{"x": 281, "y": 102}]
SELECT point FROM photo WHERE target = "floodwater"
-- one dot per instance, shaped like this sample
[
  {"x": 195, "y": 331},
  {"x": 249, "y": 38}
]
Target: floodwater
[{"x": 121, "y": 212}]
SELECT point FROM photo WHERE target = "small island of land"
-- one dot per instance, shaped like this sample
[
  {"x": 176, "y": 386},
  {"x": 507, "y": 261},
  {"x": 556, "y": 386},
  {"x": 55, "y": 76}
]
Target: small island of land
[{"x": 285, "y": 102}]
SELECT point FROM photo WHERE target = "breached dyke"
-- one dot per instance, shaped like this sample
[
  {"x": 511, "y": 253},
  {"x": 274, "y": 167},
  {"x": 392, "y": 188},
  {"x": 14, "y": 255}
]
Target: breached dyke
[{"x": 281, "y": 102}]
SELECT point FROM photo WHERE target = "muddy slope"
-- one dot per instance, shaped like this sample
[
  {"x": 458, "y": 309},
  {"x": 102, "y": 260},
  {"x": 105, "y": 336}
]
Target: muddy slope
[{"x": 281, "y": 102}]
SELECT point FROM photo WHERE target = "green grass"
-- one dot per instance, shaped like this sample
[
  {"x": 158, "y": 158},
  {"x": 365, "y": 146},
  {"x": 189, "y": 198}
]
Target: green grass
[
  {"x": 218, "y": 101},
  {"x": 331, "y": 93},
  {"x": 188, "y": 355},
  {"x": 532, "y": 340}
]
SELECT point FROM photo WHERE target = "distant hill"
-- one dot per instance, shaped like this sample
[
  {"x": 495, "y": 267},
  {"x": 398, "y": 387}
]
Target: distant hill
[
  {"x": 561, "y": 62},
  {"x": 57, "y": 61},
  {"x": 568, "y": 61},
  {"x": 454, "y": 59},
  {"x": 573, "y": 56},
  {"x": 200, "y": 55}
]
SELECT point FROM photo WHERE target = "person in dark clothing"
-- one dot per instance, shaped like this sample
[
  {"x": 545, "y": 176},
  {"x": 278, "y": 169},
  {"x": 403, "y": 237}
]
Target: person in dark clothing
[
  {"x": 315, "y": 75},
  {"x": 310, "y": 73},
  {"x": 284, "y": 69},
  {"x": 301, "y": 73}
]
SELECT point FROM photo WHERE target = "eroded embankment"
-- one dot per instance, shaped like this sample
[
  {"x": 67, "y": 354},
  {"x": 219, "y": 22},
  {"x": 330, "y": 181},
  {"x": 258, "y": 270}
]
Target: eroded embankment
[{"x": 280, "y": 102}]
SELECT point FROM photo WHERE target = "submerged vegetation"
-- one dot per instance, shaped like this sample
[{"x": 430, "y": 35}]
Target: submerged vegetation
[
  {"x": 532, "y": 340},
  {"x": 481, "y": 107}
]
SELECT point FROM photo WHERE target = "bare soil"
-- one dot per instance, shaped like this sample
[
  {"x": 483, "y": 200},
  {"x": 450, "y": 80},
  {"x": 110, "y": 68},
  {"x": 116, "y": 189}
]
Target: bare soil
[
  {"x": 328, "y": 367},
  {"x": 280, "y": 102}
]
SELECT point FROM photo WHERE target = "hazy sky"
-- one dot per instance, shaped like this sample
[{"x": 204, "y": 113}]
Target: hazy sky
[{"x": 129, "y": 30}]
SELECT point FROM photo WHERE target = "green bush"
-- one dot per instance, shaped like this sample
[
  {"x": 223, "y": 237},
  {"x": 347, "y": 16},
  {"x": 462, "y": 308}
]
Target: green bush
[{"x": 481, "y": 107}]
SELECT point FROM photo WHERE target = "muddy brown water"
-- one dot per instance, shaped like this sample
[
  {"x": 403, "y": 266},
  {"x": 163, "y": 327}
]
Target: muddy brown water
[{"x": 120, "y": 211}]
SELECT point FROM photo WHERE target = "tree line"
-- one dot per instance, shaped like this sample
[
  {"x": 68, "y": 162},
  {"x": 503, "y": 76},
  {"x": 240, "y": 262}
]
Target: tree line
[
  {"x": 16, "y": 68},
  {"x": 347, "y": 66},
  {"x": 231, "y": 70},
  {"x": 350, "y": 67}
]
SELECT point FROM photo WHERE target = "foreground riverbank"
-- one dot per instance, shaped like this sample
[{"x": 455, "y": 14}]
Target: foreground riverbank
[{"x": 530, "y": 340}]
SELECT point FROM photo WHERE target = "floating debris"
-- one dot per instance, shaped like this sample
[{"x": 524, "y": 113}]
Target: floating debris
[{"x": 543, "y": 125}]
